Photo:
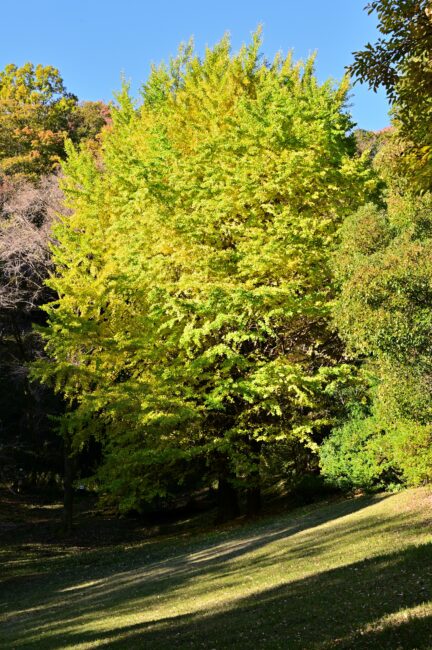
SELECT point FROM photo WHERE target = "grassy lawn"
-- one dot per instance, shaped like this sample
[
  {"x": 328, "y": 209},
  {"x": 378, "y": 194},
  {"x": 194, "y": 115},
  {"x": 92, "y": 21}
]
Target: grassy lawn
[{"x": 348, "y": 574}]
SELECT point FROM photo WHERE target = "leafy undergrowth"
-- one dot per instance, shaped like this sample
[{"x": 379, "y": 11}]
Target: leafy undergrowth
[{"x": 349, "y": 574}]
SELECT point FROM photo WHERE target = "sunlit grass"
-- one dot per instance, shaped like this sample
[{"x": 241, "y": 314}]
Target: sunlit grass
[{"x": 350, "y": 574}]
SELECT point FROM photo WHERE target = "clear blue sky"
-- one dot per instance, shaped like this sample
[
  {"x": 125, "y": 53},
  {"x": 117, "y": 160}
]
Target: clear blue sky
[{"x": 93, "y": 42}]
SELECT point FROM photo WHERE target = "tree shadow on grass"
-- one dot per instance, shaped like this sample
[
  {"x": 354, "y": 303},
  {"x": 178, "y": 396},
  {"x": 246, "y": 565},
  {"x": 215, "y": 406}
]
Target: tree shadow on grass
[
  {"x": 226, "y": 543},
  {"x": 56, "y": 607},
  {"x": 357, "y": 606}
]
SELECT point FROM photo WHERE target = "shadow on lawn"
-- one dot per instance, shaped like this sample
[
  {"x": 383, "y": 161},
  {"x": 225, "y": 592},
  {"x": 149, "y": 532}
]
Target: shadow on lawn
[
  {"x": 214, "y": 547},
  {"x": 328, "y": 610}
]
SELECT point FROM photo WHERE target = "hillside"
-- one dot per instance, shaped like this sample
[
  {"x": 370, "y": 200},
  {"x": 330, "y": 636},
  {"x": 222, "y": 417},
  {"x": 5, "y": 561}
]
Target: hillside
[{"x": 350, "y": 574}]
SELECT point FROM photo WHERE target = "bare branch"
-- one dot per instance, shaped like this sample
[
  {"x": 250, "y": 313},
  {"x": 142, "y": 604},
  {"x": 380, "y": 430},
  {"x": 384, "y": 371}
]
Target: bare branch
[{"x": 27, "y": 213}]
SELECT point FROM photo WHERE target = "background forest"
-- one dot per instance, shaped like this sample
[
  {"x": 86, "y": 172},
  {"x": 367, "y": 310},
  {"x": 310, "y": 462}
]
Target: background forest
[{"x": 221, "y": 289}]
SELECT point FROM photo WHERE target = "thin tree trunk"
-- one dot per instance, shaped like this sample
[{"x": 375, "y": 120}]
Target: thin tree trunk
[
  {"x": 253, "y": 491},
  {"x": 227, "y": 497},
  {"x": 68, "y": 487},
  {"x": 253, "y": 500}
]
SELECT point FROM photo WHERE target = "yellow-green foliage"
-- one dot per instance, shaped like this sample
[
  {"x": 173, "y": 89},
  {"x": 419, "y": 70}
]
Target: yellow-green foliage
[{"x": 193, "y": 273}]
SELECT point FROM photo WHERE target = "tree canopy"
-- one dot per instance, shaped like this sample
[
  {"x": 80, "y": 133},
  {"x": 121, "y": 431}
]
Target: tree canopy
[
  {"x": 37, "y": 114},
  {"x": 400, "y": 61},
  {"x": 193, "y": 277},
  {"x": 35, "y": 110}
]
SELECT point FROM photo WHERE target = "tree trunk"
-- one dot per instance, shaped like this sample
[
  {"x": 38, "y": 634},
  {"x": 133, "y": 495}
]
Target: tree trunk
[
  {"x": 227, "y": 497},
  {"x": 253, "y": 491},
  {"x": 68, "y": 487},
  {"x": 253, "y": 500}
]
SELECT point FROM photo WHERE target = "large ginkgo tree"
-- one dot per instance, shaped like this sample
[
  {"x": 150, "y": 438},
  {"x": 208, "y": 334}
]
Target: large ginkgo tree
[{"x": 191, "y": 329}]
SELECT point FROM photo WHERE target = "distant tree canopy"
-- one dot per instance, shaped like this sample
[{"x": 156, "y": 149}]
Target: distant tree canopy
[
  {"x": 35, "y": 110},
  {"x": 193, "y": 277},
  {"x": 87, "y": 121},
  {"x": 36, "y": 115}
]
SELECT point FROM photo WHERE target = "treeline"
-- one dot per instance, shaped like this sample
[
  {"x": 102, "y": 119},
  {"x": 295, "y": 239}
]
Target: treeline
[
  {"x": 37, "y": 114},
  {"x": 237, "y": 290}
]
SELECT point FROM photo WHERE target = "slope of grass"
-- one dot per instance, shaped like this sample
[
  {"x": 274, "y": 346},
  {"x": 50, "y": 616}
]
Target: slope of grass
[{"x": 352, "y": 574}]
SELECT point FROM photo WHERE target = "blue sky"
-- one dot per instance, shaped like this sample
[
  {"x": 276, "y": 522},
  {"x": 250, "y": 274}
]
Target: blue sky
[{"x": 93, "y": 42}]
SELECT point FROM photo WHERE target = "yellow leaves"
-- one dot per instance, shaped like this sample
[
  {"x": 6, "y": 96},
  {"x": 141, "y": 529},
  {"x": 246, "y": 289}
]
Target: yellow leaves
[
  {"x": 166, "y": 249},
  {"x": 196, "y": 258}
]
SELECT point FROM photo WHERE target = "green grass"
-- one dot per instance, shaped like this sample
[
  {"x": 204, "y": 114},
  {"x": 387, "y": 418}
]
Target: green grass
[{"x": 351, "y": 574}]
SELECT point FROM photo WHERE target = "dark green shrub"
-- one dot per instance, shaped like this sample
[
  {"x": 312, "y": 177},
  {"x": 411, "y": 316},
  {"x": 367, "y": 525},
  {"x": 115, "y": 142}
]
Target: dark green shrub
[{"x": 357, "y": 455}]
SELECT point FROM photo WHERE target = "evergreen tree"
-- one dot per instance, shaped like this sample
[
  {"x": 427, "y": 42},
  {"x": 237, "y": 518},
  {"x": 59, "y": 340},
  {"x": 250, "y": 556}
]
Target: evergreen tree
[
  {"x": 383, "y": 313},
  {"x": 400, "y": 62}
]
